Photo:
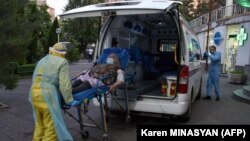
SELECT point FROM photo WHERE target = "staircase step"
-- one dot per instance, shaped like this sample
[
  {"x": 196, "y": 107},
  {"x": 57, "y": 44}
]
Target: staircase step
[
  {"x": 246, "y": 90},
  {"x": 240, "y": 94}
]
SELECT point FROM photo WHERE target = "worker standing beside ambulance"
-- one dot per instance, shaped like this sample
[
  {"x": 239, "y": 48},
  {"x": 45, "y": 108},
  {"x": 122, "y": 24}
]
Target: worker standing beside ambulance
[
  {"x": 214, "y": 73},
  {"x": 50, "y": 78}
]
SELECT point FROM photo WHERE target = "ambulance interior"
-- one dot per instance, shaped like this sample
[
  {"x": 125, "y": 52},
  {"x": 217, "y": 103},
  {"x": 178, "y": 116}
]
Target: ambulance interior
[{"x": 154, "y": 51}]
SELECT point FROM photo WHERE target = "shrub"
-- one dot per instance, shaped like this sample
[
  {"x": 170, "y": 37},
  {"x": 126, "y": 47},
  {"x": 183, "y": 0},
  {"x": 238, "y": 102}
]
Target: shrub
[
  {"x": 73, "y": 55},
  {"x": 237, "y": 72}
]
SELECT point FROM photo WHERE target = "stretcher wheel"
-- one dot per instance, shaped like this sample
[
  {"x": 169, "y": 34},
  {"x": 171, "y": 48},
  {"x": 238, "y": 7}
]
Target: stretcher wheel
[
  {"x": 84, "y": 134},
  {"x": 105, "y": 137}
]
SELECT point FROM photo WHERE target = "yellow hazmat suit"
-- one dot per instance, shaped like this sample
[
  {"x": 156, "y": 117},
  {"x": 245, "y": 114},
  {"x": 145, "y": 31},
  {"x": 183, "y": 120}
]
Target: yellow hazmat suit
[{"x": 50, "y": 78}]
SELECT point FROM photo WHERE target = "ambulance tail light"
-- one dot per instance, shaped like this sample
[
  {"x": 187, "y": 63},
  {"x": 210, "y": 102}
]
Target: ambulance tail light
[{"x": 183, "y": 81}]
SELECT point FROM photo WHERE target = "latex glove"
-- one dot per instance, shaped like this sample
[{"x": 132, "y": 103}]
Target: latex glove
[
  {"x": 74, "y": 103},
  {"x": 205, "y": 55}
]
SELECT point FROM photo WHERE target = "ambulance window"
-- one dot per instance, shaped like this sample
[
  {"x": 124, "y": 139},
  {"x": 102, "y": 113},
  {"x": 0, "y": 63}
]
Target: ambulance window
[
  {"x": 167, "y": 45},
  {"x": 194, "y": 50}
]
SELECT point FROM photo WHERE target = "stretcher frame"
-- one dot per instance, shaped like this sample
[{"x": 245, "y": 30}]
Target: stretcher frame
[
  {"x": 129, "y": 78},
  {"x": 96, "y": 92}
]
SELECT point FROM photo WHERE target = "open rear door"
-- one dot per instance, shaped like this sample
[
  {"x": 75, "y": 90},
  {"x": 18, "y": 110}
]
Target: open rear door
[{"x": 121, "y": 8}]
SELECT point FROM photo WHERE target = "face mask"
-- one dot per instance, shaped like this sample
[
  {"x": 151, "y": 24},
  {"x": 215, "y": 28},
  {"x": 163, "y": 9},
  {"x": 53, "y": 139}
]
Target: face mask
[{"x": 110, "y": 61}]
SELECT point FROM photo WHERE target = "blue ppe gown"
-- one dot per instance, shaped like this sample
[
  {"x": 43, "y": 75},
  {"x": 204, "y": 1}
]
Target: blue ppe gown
[
  {"x": 214, "y": 73},
  {"x": 50, "y": 78}
]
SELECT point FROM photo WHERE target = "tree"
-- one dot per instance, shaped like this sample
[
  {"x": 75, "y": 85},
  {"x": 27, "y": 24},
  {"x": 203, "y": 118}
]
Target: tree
[
  {"x": 24, "y": 26},
  {"x": 83, "y": 31},
  {"x": 15, "y": 37},
  {"x": 52, "y": 35},
  {"x": 201, "y": 9},
  {"x": 40, "y": 23},
  {"x": 187, "y": 9},
  {"x": 45, "y": 24},
  {"x": 203, "y": 6}
]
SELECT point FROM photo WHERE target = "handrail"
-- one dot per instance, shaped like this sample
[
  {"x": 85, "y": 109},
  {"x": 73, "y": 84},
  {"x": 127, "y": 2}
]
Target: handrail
[
  {"x": 220, "y": 13},
  {"x": 175, "y": 55}
]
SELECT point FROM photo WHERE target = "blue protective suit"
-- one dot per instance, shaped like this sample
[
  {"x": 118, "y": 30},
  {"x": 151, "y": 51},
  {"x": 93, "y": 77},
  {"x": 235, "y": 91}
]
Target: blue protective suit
[
  {"x": 50, "y": 78},
  {"x": 214, "y": 73}
]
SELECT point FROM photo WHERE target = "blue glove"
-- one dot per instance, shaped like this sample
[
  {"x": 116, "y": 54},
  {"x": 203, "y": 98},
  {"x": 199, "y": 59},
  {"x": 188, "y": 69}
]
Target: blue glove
[
  {"x": 205, "y": 55},
  {"x": 74, "y": 103}
]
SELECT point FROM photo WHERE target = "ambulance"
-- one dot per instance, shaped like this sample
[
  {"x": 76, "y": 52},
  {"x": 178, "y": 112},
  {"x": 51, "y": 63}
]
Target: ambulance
[{"x": 165, "y": 55}]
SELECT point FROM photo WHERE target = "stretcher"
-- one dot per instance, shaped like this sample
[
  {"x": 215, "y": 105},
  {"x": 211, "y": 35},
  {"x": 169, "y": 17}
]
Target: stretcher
[
  {"x": 99, "y": 92},
  {"x": 84, "y": 97}
]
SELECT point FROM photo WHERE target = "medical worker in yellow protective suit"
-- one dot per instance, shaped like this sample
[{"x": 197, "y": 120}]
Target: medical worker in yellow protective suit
[{"x": 50, "y": 78}]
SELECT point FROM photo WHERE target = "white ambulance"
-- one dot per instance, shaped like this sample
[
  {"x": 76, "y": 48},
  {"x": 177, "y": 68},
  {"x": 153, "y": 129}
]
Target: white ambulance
[{"x": 165, "y": 54}]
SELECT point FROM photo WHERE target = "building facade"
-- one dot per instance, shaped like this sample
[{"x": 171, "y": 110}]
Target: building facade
[{"x": 228, "y": 31}]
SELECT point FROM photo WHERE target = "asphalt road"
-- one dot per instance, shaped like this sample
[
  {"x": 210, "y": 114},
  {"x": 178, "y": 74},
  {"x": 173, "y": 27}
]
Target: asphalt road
[{"x": 16, "y": 120}]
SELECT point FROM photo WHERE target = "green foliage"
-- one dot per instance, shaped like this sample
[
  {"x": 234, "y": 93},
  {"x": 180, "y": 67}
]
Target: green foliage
[
  {"x": 85, "y": 30},
  {"x": 43, "y": 33},
  {"x": 8, "y": 78},
  {"x": 40, "y": 23},
  {"x": 203, "y": 7},
  {"x": 52, "y": 35},
  {"x": 73, "y": 55},
  {"x": 237, "y": 72},
  {"x": 187, "y": 9},
  {"x": 25, "y": 30},
  {"x": 26, "y": 69},
  {"x": 16, "y": 35}
]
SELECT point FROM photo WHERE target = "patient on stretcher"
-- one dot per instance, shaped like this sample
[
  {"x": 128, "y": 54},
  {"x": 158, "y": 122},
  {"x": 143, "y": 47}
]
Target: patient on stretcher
[{"x": 91, "y": 77}]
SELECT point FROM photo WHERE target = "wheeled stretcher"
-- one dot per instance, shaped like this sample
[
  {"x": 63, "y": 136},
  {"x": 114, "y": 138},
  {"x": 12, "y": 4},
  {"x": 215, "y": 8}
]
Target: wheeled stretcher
[
  {"x": 84, "y": 97},
  {"x": 100, "y": 92}
]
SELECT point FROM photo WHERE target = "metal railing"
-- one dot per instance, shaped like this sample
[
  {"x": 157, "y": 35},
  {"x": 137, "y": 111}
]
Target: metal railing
[{"x": 220, "y": 13}]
